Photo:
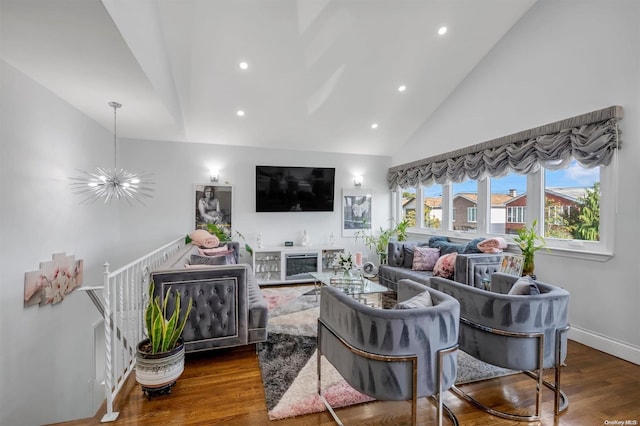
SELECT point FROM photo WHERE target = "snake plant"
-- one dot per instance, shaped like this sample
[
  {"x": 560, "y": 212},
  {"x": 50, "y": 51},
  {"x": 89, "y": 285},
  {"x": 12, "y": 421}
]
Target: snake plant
[{"x": 164, "y": 332}]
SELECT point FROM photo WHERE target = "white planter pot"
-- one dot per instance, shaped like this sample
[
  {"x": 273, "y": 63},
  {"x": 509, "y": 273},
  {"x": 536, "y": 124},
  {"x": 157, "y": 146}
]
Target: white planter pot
[{"x": 157, "y": 373}]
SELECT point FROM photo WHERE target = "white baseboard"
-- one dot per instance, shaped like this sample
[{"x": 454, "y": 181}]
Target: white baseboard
[{"x": 605, "y": 344}]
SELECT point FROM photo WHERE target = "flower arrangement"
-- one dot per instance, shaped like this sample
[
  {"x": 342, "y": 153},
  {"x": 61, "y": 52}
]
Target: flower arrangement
[
  {"x": 529, "y": 242},
  {"x": 344, "y": 261}
]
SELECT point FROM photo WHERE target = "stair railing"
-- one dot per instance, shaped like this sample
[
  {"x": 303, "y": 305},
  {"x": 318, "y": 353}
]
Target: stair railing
[{"x": 121, "y": 302}]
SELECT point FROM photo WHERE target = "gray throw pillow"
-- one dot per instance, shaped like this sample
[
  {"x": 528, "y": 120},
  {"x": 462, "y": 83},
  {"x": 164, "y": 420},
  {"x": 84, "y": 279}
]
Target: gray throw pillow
[
  {"x": 421, "y": 300},
  {"x": 208, "y": 260},
  {"x": 525, "y": 286}
]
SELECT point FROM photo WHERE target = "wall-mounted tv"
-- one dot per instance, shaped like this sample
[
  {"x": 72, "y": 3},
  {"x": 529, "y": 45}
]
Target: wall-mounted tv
[{"x": 291, "y": 189}]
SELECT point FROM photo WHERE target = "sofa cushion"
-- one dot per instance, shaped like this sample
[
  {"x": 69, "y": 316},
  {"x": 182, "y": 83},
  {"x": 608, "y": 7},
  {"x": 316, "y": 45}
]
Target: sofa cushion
[
  {"x": 445, "y": 266},
  {"x": 196, "y": 259},
  {"x": 424, "y": 258},
  {"x": 422, "y": 300},
  {"x": 408, "y": 249},
  {"x": 524, "y": 286}
]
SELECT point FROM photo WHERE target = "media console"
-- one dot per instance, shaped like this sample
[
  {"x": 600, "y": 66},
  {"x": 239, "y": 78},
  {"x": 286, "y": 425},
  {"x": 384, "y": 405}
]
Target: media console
[{"x": 292, "y": 265}]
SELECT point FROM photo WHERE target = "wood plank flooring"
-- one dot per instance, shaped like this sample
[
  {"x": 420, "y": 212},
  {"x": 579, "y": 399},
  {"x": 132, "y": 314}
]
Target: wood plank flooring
[{"x": 225, "y": 388}]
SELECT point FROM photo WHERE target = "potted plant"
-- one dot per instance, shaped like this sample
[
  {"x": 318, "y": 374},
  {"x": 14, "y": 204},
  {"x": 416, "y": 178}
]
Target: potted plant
[
  {"x": 529, "y": 242},
  {"x": 380, "y": 243},
  {"x": 160, "y": 357}
]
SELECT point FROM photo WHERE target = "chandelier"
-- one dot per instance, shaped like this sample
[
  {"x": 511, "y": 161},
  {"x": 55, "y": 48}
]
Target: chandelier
[{"x": 107, "y": 184}]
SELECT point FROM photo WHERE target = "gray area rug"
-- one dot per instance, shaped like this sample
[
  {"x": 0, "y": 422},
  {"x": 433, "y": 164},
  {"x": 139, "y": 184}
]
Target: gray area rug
[{"x": 287, "y": 359}]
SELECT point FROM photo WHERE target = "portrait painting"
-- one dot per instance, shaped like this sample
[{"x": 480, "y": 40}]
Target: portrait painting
[{"x": 213, "y": 206}]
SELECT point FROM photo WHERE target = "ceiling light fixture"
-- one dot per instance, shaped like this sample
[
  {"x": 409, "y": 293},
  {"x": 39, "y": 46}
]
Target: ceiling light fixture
[
  {"x": 107, "y": 184},
  {"x": 240, "y": 113},
  {"x": 442, "y": 30},
  {"x": 243, "y": 65},
  {"x": 402, "y": 88},
  {"x": 374, "y": 126}
]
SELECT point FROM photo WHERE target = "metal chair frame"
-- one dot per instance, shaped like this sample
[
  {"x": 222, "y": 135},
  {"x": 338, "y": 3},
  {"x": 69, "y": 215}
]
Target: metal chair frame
[
  {"x": 413, "y": 359},
  {"x": 559, "y": 395}
]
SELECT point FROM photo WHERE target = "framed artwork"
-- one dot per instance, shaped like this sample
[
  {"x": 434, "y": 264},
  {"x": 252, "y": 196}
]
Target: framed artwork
[
  {"x": 512, "y": 264},
  {"x": 212, "y": 204},
  {"x": 53, "y": 281},
  {"x": 356, "y": 211}
]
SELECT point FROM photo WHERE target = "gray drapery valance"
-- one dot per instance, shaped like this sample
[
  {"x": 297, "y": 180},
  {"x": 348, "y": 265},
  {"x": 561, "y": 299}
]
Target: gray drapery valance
[{"x": 591, "y": 139}]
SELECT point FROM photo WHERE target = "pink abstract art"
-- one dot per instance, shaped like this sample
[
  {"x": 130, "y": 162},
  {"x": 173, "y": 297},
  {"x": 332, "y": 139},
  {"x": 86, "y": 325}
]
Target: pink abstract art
[{"x": 55, "y": 279}]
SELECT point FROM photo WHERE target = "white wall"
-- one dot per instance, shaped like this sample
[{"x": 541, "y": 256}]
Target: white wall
[
  {"x": 46, "y": 361},
  {"x": 562, "y": 59},
  {"x": 178, "y": 166}
]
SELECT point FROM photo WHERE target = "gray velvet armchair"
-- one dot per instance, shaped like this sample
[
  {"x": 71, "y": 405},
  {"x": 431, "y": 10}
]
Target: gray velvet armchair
[
  {"x": 391, "y": 354},
  {"x": 521, "y": 332}
]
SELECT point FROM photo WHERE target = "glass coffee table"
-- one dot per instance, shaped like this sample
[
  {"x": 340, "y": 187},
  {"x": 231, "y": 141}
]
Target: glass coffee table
[{"x": 358, "y": 287}]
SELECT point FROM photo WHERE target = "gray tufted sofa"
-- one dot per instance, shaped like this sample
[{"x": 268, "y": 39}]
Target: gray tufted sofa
[
  {"x": 470, "y": 268},
  {"x": 228, "y": 306},
  {"x": 372, "y": 348}
]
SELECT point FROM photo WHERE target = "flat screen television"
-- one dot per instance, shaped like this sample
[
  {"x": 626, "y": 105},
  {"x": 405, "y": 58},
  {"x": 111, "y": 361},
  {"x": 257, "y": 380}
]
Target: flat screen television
[{"x": 292, "y": 189}]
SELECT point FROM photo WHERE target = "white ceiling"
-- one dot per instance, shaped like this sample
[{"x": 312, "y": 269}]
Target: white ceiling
[{"x": 320, "y": 71}]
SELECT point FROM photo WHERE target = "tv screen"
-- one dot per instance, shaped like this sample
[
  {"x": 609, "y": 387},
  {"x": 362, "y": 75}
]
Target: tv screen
[{"x": 291, "y": 189}]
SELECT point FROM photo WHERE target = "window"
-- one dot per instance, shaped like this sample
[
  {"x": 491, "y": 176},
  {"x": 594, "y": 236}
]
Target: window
[
  {"x": 506, "y": 193},
  {"x": 516, "y": 214},
  {"x": 572, "y": 203},
  {"x": 432, "y": 202},
  {"x": 472, "y": 214},
  {"x": 409, "y": 204},
  {"x": 464, "y": 197}
]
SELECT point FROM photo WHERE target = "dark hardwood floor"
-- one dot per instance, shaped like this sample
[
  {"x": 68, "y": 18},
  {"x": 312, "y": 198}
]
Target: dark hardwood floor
[{"x": 225, "y": 387}]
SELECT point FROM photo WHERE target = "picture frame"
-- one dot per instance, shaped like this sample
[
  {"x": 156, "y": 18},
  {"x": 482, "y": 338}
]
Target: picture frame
[
  {"x": 216, "y": 208},
  {"x": 356, "y": 211},
  {"x": 512, "y": 264}
]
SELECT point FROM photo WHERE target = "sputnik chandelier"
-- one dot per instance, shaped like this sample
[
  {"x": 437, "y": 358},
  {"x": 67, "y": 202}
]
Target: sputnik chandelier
[{"x": 107, "y": 184}]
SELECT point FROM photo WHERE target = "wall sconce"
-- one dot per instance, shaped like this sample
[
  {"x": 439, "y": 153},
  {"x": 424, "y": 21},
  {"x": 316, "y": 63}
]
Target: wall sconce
[
  {"x": 214, "y": 175},
  {"x": 357, "y": 180}
]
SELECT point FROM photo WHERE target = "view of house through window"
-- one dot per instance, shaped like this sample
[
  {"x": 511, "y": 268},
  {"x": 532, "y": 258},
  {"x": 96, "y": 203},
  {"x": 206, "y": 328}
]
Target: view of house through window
[
  {"x": 432, "y": 198},
  {"x": 508, "y": 203},
  {"x": 572, "y": 203},
  {"x": 465, "y": 206}
]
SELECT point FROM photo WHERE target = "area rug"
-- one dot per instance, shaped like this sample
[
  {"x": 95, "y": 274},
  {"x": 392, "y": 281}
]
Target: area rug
[{"x": 288, "y": 359}]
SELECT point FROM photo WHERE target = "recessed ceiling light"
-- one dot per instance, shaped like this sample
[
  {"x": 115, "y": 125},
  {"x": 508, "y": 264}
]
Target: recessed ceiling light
[
  {"x": 442, "y": 30},
  {"x": 402, "y": 88},
  {"x": 240, "y": 113},
  {"x": 243, "y": 65},
  {"x": 374, "y": 126}
]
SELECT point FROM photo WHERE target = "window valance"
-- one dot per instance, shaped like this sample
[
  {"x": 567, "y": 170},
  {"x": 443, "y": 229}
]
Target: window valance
[{"x": 591, "y": 139}]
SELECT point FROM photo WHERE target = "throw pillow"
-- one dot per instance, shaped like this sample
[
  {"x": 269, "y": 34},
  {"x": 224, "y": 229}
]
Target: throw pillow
[
  {"x": 208, "y": 260},
  {"x": 407, "y": 261},
  {"x": 421, "y": 300},
  {"x": 424, "y": 258},
  {"x": 445, "y": 266},
  {"x": 524, "y": 286},
  {"x": 214, "y": 251}
]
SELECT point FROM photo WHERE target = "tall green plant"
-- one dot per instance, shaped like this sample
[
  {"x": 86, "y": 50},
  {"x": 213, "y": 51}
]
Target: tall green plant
[{"x": 164, "y": 332}]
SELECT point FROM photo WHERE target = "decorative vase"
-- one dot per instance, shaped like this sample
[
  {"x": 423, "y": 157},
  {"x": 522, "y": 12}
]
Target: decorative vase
[
  {"x": 527, "y": 265},
  {"x": 157, "y": 373}
]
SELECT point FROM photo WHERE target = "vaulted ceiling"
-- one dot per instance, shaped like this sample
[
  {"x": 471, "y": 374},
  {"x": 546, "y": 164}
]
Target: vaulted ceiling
[{"x": 320, "y": 72}]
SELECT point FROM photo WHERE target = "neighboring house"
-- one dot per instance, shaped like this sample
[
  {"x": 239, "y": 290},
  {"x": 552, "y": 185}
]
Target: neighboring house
[{"x": 558, "y": 202}]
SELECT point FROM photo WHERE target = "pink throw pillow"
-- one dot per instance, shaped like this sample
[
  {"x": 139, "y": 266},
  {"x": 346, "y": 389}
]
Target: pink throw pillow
[
  {"x": 425, "y": 258},
  {"x": 445, "y": 266}
]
